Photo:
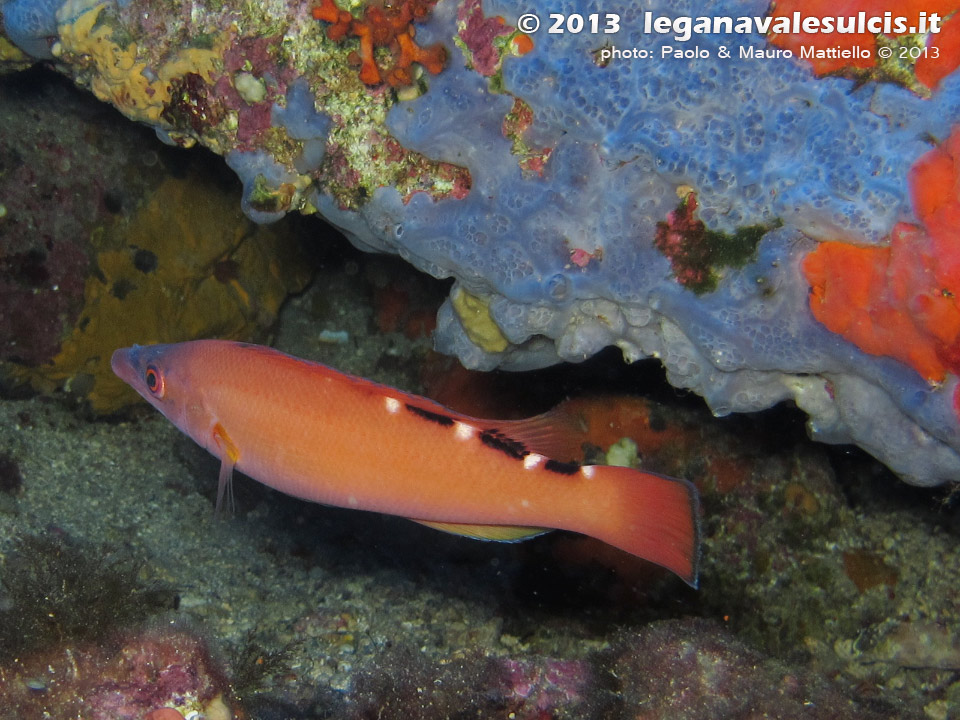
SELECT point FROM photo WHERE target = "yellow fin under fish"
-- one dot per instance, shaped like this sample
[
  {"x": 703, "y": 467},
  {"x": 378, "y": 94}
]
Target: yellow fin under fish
[{"x": 500, "y": 533}]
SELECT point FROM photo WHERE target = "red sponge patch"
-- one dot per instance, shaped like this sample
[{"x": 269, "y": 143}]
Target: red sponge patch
[{"x": 901, "y": 300}]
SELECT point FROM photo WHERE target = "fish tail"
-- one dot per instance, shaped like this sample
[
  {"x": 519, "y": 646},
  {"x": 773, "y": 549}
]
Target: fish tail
[{"x": 651, "y": 516}]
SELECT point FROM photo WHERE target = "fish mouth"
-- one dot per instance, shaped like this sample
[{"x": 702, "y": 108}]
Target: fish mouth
[{"x": 123, "y": 365}]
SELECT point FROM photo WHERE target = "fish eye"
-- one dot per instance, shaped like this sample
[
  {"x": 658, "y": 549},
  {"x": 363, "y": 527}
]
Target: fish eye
[{"x": 153, "y": 380}]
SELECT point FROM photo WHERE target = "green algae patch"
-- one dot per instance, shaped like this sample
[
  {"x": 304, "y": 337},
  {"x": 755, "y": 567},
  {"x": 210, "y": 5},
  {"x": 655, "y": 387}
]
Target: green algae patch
[
  {"x": 59, "y": 590},
  {"x": 699, "y": 256}
]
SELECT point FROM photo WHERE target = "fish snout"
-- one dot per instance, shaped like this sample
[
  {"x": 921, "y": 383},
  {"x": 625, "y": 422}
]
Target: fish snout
[{"x": 123, "y": 365}]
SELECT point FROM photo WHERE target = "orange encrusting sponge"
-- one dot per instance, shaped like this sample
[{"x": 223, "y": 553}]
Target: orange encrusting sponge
[
  {"x": 389, "y": 26},
  {"x": 931, "y": 68},
  {"x": 941, "y": 57},
  {"x": 901, "y": 300}
]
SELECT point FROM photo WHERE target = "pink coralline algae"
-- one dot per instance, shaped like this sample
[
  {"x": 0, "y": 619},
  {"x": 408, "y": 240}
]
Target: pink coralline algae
[
  {"x": 681, "y": 238},
  {"x": 698, "y": 255},
  {"x": 124, "y": 679},
  {"x": 478, "y": 34},
  {"x": 694, "y": 669},
  {"x": 542, "y": 687}
]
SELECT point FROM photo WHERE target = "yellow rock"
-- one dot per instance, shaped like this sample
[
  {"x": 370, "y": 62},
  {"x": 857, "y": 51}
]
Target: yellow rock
[
  {"x": 474, "y": 314},
  {"x": 11, "y": 57},
  {"x": 217, "y": 709},
  {"x": 187, "y": 265},
  {"x": 116, "y": 73}
]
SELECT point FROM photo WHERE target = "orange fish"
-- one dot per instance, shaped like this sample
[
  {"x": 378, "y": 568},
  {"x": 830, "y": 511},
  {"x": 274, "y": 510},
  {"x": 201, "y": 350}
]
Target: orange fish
[{"x": 318, "y": 434}]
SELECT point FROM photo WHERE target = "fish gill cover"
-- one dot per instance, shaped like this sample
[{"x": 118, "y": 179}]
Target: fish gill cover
[{"x": 677, "y": 188}]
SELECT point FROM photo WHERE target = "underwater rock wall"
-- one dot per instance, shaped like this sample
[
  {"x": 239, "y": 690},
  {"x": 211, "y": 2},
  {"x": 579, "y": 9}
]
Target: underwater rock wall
[
  {"x": 106, "y": 238},
  {"x": 675, "y": 203}
]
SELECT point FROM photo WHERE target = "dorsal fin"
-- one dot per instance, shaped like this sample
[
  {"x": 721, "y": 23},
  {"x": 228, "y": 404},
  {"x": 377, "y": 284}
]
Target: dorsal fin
[{"x": 557, "y": 433}]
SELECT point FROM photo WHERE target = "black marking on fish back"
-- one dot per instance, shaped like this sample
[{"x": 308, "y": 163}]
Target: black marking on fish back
[
  {"x": 564, "y": 468},
  {"x": 430, "y": 415},
  {"x": 508, "y": 446}
]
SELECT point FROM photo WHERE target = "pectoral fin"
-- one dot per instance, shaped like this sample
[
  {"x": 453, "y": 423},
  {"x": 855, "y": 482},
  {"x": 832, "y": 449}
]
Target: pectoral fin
[
  {"x": 230, "y": 454},
  {"x": 499, "y": 533}
]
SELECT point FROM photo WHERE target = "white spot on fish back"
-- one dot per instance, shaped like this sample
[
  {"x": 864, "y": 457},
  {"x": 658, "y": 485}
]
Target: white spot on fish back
[
  {"x": 392, "y": 405},
  {"x": 531, "y": 460},
  {"x": 352, "y": 501},
  {"x": 464, "y": 431},
  {"x": 525, "y": 503},
  {"x": 588, "y": 471}
]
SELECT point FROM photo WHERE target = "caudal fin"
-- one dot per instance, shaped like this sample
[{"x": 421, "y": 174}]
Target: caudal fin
[{"x": 651, "y": 516}]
